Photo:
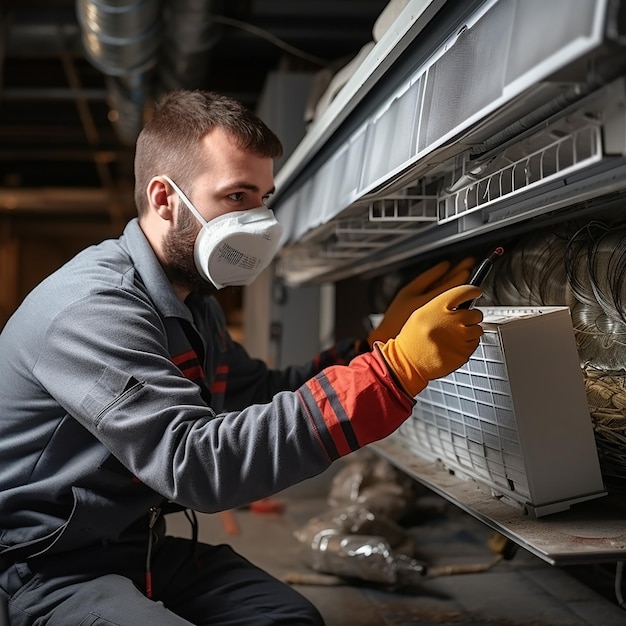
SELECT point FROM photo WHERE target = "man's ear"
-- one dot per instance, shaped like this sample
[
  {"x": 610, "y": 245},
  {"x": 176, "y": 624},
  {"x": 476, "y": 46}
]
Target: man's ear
[{"x": 161, "y": 198}]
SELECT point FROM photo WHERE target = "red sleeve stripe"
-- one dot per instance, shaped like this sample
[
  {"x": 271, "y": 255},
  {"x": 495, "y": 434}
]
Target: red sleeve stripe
[
  {"x": 318, "y": 422},
  {"x": 351, "y": 406},
  {"x": 219, "y": 386},
  {"x": 343, "y": 421},
  {"x": 193, "y": 372},
  {"x": 220, "y": 383},
  {"x": 189, "y": 365},
  {"x": 190, "y": 355},
  {"x": 330, "y": 417}
]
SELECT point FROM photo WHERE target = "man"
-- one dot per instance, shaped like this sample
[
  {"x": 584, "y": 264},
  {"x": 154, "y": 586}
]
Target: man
[{"x": 122, "y": 396}]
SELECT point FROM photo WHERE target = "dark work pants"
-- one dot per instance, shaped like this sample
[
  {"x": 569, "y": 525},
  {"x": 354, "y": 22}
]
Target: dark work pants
[{"x": 105, "y": 586}]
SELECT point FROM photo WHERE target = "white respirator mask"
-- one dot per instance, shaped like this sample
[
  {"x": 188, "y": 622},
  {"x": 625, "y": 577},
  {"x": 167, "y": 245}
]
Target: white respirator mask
[{"x": 234, "y": 248}]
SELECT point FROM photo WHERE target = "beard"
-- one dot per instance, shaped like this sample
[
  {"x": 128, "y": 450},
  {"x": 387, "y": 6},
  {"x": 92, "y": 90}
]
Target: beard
[{"x": 178, "y": 249}]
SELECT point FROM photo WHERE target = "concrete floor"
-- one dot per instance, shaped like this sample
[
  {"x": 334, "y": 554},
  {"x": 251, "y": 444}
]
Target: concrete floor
[{"x": 522, "y": 591}]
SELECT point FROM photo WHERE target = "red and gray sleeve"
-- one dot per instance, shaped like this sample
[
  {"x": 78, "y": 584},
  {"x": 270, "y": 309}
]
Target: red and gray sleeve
[{"x": 351, "y": 406}]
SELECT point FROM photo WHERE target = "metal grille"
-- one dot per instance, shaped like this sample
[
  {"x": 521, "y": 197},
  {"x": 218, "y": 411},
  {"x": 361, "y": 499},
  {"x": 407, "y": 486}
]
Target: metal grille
[
  {"x": 514, "y": 418},
  {"x": 467, "y": 418},
  {"x": 561, "y": 156}
]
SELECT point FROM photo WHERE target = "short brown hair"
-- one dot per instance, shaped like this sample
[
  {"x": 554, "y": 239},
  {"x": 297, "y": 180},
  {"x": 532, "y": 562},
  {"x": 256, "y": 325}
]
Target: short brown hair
[{"x": 170, "y": 141}]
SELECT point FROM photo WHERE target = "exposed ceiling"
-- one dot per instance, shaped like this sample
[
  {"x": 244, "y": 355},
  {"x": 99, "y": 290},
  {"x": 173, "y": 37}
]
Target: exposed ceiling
[{"x": 68, "y": 119}]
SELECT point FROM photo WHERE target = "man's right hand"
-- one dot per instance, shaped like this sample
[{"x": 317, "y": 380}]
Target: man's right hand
[{"x": 436, "y": 339}]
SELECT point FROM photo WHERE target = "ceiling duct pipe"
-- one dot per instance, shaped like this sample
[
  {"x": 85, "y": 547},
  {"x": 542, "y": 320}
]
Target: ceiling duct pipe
[
  {"x": 189, "y": 34},
  {"x": 122, "y": 38}
]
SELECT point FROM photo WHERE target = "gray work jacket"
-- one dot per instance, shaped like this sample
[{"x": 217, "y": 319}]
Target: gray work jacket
[{"x": 115, "y": 397}]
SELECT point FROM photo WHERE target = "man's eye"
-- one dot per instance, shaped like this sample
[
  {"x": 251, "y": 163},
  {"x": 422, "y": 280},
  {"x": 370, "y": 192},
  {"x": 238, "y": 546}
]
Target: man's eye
[{"x": 238, "y": 196}]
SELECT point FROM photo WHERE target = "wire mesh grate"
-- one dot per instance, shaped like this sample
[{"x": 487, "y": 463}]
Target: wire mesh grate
[
  {"x": 562, "y": 155},
  {"x": 467, "y": 418}
]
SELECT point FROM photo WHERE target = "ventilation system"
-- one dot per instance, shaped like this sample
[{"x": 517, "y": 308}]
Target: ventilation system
[
  {"x": 126, "y": 39},
  {"x": 505, "y": 118},
  {"x": 514, "y": 418}
]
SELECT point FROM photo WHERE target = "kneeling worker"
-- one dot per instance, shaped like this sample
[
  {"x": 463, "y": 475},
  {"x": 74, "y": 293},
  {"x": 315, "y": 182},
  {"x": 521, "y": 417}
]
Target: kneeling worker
[{"x": 123, "y": 397}]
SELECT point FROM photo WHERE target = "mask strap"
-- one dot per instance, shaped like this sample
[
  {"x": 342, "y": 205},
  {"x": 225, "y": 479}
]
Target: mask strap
[{"x": 185, "y": 200}]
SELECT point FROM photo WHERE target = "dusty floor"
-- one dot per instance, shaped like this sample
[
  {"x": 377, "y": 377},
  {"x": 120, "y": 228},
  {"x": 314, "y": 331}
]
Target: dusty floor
[{"x": 522, "y": 590}]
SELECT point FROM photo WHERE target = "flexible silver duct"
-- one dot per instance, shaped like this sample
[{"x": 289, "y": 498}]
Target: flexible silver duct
[
  {"x": 122, "y": 39},
  {"x": 189, "y": 34},
  {"x": 125, "y": 39}
]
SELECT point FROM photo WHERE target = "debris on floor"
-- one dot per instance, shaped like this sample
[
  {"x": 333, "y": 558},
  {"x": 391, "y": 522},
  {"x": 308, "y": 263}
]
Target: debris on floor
[{"x": 359, "y": 537}]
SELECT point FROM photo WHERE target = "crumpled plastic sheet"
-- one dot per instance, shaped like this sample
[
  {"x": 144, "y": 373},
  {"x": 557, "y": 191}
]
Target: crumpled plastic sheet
[
  {"x": 358, "y": 538},
  {"x": 375, "y": 484},
  {"x": 354, "y": 543},
  {"x": 353, "y": 556}
]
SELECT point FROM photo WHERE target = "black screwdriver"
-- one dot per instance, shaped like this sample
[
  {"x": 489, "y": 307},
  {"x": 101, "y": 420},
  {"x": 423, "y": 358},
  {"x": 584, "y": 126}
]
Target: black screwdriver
[{"x": 481, "y": 273}]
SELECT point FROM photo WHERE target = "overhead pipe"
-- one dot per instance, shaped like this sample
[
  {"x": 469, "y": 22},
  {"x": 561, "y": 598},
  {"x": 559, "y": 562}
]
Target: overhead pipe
[
  {"x": 189, "y": 34},
  {"x": 122, "y": 39},
  {"x": 126, "y": 38}
]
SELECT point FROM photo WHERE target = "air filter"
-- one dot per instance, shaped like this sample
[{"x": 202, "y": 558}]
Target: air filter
[{"x": 514, "y": 418}]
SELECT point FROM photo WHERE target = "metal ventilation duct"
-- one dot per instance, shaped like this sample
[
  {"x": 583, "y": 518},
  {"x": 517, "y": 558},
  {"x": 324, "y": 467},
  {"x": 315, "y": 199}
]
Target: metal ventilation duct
[
  {"x": 121, "y": 37},
  {"x": 190, "y": 32},
  {"x": 125, "y": 39}
]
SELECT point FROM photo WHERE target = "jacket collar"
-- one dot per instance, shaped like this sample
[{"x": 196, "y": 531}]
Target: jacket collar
[{"x": 149, "y": 269}]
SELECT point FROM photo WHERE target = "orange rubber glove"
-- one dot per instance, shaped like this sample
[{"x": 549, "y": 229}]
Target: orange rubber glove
[
  {"x": 418, "y": 292},
  {"x": 436, "y": 340}
]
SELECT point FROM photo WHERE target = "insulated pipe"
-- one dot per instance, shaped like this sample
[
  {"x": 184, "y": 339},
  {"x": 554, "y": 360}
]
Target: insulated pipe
[
  {"x": 122, "y": 38},
  {"x": 127, "y": 97},
  {"x": 189, "y": 34},
  {"x": 125, "y": 38}
]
